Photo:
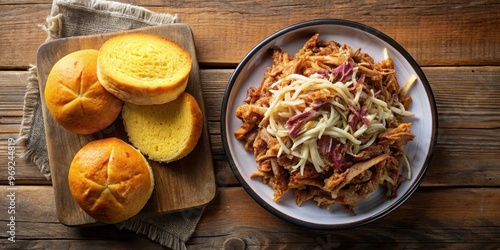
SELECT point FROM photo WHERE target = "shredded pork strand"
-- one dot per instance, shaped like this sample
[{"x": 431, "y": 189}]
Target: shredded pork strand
[{"x": 327, "y": 123}]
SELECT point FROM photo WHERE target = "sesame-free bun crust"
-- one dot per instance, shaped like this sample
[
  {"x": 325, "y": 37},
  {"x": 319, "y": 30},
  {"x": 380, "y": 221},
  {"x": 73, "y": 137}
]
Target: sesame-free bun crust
[
  {"x": 143, "y": 69},
  {"x": 166, "y": 132},
  {"x": 110, "y": 180},
  {"x": 74, "y": 96}
]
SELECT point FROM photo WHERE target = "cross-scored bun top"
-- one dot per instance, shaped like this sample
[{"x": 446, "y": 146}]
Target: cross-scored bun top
[
  {"x": 143, "y": 68},
  {"x": 75, "y": 97},
  {"x": 110, "y": 180}
]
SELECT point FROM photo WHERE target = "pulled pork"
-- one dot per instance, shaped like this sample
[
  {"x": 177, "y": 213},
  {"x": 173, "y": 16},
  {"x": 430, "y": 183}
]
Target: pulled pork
[{"x": 351, "y": 177}]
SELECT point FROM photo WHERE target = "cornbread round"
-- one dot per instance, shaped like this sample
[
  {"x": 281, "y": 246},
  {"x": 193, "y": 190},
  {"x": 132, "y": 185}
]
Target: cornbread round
[
  {"x": 143, "y": 69},
  {"x": 75, "y": 97},
  {"x": 110, "y": 180},
  {"x": 166, "y": 132}
]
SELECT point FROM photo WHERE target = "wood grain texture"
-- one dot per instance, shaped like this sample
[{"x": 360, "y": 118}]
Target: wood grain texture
[
  {"x": 468, "y": 98},
  {"x": 428, "y": 210},
  {"x": 21, "y": 21},
  {"x": 427, "y": 220},
  {"x": 185, "y": 183},
  {"x": 12, "y": 91},
  {"x": 455, "y": 32}
]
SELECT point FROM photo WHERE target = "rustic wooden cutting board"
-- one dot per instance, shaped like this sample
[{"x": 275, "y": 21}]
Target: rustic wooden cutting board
[{"x": 187, "y": 183}]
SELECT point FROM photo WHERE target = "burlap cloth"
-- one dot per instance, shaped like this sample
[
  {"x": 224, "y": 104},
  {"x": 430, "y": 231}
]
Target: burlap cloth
[{"x": 82, "y": 17}]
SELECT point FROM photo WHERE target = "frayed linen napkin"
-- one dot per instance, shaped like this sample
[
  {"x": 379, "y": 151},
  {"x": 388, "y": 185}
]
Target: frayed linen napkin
[{"x": 83, "y": 17}]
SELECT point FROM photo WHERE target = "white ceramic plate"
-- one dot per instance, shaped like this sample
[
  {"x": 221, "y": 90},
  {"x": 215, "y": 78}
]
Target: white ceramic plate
[{"x": 250, "y": 73}]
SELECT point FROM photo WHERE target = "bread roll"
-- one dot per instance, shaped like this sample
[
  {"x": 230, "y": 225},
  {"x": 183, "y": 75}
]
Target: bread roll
[
  {"x": 110, "y": 180},
  {"x": 143, "y": 69},
  {"x": 74, "y": 96},
  {"x": 166, "y": 132}
]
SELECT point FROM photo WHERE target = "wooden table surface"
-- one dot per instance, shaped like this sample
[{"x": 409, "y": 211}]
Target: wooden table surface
[{"x": 457, "y": 44}]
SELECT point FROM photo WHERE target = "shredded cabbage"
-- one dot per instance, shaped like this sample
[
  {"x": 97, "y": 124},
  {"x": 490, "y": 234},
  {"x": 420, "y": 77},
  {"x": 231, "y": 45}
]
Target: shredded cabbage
[{"x": 354, "y": 117}]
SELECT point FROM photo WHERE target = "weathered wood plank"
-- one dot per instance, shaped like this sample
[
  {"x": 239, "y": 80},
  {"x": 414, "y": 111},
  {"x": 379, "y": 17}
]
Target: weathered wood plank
[
  {"x": 319, "y": 242},
  {"x": 118, "y": 240},
  {"x": 432, "y": 217},
  {"x": 20, "y": 21},
  {"x": 430, "y": 210},
  {"x": 12, "y": 91},
  {"x": 466, "y": 97},
  {"x": 224, "y": 31},
  {"x": 26, "y": 172},
  {"x": 465, "y": 157}
]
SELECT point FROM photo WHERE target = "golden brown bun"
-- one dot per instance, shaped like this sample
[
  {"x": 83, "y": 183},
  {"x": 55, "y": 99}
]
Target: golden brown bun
[
  {"x": 166, "y": 132},
  {"x": 143, "y": 69},
  {"x": 74, "y": 96},
  {"x": 110, "y": 180}
]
